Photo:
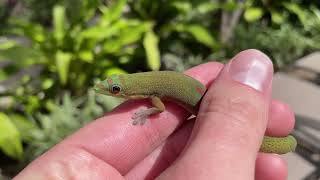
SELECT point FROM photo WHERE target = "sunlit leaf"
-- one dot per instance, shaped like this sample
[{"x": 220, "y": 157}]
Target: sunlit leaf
[
  {"x": 183, "y": 6},
  {"x": 47, "y": 83},
  {"x": 33, "y": 103},
  {"x": 253, "y": 14},
  {"x": 114, "y": 70},
  {"x": 10, "y": 142},
  {"x": 126, "y": 36},
  {"x": 63, "y": 60},
  {"x": 86, "y": 55},
  {"x": 277, "y": 17},
  {"x": 35, "y": 32},
  {"x": 21, "y": 56},
  {"x": 6, "y": 44},
  {"x": 25, "y": 126},
  {"x": 150, "y": 44},
  {"x": 133, "y": 33},
  {"x": 299, "y": 11},
  {"x": 200, "y": 33},
  {"x": 230, "y": 5},
  {"x": 208, "y": 7},
  {"x": 113, "y": 12},
  {"x": 59, "y": 23}
]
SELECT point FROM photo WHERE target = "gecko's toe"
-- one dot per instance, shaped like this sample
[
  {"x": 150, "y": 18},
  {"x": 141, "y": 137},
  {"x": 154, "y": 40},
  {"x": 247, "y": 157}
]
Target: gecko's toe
[
  {"x": 141, "y": 121},
  {"x": 140, "y": 117},
  {"x": 134, "y": 122},
  {"x": 140, "y": 112}
]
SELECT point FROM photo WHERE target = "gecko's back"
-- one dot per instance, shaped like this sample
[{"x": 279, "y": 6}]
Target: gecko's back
[{"x": 164, "y": 84}]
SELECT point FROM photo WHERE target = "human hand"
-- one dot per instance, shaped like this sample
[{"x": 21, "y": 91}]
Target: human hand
[{"x": 222, "y": 143}]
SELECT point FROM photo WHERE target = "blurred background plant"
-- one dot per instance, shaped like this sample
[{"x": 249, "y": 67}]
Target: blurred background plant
[{"x": 52, "y": 52}]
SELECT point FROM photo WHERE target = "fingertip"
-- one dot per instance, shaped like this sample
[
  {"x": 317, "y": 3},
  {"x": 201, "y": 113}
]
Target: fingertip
[
  {"x": 270, "y": 166},
  {"x": 281, "y": 119}
]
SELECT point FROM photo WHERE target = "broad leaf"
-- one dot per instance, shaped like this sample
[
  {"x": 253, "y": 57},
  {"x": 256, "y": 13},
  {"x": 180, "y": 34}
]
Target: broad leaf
[
  {"x": 113, "y": 12},
  {"x": 277, "y": 17},
  {"x": 63, "y": 60},
  {"x": 21, "y": 56},
  {"x": 150, "y": 43},
  {"x": 253, "y": 14},
  {"x": 298, "y": 10},
  {"x": 59, "y": 23},
  {"x": 114, "y": 70},
  {"x": 25, "y": 126},
  {"x": 200, "y": 33},
  {"x": 10, "y": 142}
]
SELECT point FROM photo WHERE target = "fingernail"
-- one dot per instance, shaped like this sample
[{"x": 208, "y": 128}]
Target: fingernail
[{"x": 252, "y": 68}]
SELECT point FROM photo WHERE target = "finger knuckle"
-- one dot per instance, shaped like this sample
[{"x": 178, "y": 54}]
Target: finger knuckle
[{"x": 239, "y": 111}]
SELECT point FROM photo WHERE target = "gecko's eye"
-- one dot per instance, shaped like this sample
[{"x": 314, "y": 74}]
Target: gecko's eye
[{"x": 115, "y": 89}]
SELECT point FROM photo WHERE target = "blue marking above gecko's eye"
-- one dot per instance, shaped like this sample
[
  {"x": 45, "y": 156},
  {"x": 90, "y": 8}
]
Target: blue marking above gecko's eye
[{"x": 115, "y": 89}]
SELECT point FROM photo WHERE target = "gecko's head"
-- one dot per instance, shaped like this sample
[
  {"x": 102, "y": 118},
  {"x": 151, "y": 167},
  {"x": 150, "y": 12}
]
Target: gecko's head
[{"x": 110, "y": 86}]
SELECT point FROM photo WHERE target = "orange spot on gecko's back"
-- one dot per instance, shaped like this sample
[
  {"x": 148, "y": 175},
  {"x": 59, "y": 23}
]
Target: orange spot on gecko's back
[{"x": 200, "y": 90}]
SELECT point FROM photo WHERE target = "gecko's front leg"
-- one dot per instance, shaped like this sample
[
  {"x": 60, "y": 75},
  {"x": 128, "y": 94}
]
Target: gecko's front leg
[{"x": 140, "y": 117}]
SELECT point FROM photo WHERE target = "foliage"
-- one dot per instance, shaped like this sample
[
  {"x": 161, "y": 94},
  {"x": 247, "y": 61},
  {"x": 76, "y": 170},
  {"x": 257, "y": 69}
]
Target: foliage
[{"x": 284, "y": 45}]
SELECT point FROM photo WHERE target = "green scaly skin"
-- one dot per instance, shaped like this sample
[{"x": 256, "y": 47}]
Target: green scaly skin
[{"x": 180, "y": 88}]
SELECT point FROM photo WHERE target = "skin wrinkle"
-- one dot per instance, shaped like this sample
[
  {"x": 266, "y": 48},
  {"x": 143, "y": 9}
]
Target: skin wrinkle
[
  {"x": 153, "y": 136},
  {"x": 225, "y": 105},
  {"x": 242, "y": 107},
  {"x": 79, "y": 160}
]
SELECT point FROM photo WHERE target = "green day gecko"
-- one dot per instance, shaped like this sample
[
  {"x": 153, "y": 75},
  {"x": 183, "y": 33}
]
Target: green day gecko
[{"x": 177, "y": 87}]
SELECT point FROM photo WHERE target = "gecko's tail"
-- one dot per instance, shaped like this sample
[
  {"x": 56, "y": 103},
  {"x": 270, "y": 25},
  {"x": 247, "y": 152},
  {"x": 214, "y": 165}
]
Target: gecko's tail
[{"x": 278, "y": 145}]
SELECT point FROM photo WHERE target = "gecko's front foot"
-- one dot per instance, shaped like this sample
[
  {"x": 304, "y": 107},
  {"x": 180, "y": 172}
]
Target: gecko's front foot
[{"x": 140, "y": 117}]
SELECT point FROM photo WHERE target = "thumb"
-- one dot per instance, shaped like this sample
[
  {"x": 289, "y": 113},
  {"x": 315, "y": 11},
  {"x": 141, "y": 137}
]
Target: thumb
[{"x": 231, "y": 122}]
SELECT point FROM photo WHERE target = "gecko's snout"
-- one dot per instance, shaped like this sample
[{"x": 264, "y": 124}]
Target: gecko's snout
[{"x": 98, "y": 87}]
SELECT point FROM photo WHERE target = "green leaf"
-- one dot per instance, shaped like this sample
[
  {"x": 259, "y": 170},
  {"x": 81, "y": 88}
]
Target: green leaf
[
  {"x": 47, "y": 83},
  {"x": 21, "y": 56},
  {"x": 7, "y": 44},
  {"x": 33, "y": 103},
  {"x": 35, "y": 32},
  {"x": 10, "y": 142},
  {"x": 208, "y": 7},
  {"x": 113, "y": 12},
  {"x": 59, "y": 23},
  {"x": 24, "y": 126},
  {"x": 200, "y": 33},
  {"x": 133, "y": 33},
  {"x": 86, "y": 56},
  {"x": 63, "y": 60},
  {"x": 127, "y": 36},
  {"x": 182, "y": 6},
  {"x": 150, "y": 44},
  {"x": 277, "y": 17},
  {"x": 253, "y": 14},
  {"x": 299, "y": 11},
  {"x": 114, "y": 70}
]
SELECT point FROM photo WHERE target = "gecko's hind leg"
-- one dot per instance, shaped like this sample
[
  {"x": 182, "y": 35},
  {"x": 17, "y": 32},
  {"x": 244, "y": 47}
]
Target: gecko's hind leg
[{"x": 140, "y": 117}]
